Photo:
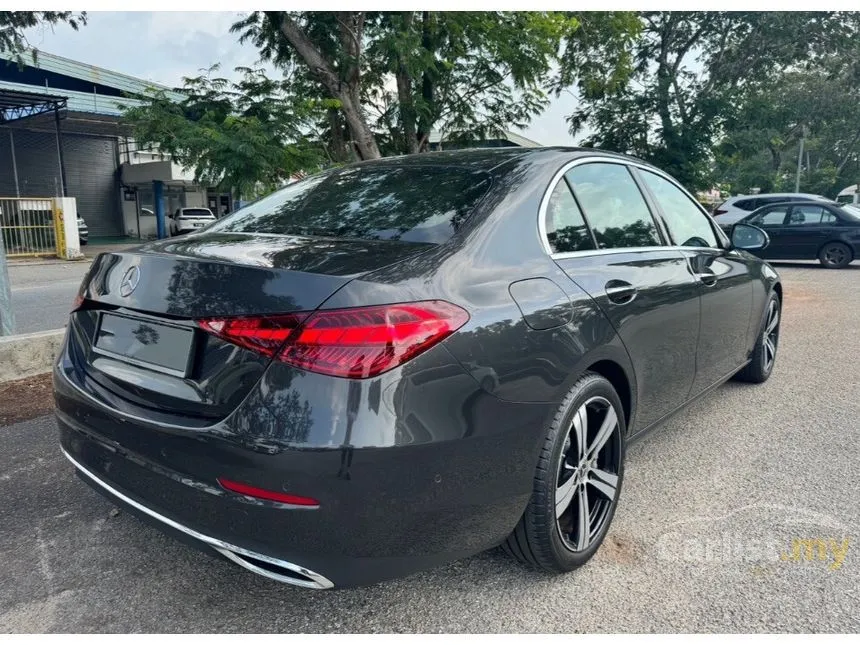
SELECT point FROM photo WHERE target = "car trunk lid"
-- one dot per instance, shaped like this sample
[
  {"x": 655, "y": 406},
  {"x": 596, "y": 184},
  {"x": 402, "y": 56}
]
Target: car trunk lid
[{"x": 136, "y": 342}]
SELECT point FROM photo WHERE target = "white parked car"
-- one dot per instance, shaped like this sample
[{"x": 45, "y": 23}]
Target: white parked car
[
  {"x": 734, "y": 209},
  {"x": 187, "y": 220}
]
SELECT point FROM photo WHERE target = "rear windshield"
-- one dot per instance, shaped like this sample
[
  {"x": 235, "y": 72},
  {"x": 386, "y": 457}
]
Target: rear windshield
[
  {"x": 413, "y": 204},
  {"x": 196, "y": 212},
  {"x": 851, "y": 211}
]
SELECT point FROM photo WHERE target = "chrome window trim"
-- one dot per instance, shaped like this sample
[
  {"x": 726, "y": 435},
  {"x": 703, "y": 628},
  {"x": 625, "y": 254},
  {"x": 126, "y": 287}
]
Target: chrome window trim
[{"x": 559, "y": 176}]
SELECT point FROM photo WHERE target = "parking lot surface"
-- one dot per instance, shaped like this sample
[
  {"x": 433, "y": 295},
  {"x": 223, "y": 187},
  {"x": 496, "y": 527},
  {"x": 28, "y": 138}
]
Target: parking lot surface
[{"x": 739, "y": 514}]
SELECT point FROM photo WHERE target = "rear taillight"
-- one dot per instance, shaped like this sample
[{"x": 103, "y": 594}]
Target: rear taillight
[
  {"x": 264, "y": 334},
  {"x": 77, "y": 302},
  {"x": 720, "y": 211},
  {"x": 354, "y": 343}
]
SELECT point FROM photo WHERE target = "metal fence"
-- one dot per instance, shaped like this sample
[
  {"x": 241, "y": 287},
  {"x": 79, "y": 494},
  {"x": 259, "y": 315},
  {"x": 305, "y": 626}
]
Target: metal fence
[{"x": 30, "y": 226}]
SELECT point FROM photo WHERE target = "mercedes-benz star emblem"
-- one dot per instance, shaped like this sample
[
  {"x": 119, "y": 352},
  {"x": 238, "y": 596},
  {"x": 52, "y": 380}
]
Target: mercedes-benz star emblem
[{"x": 129, "y": 281}]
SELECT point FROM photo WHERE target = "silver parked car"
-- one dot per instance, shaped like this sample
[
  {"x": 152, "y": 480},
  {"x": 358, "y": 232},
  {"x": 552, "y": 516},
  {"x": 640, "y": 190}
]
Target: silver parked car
[
  {"x": 83, "y": 231},
  {"x": 734, "y": 209}
]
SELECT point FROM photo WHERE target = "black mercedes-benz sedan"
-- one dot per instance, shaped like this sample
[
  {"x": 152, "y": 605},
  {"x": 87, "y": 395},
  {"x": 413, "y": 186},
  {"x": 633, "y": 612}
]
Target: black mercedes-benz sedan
[
  {"x": 812, "y": 230},
  {"x": 398, "y": 363}
]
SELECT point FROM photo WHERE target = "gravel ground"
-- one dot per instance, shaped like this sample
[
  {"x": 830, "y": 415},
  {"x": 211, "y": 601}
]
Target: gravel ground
[{"x": 703, "y": 539}]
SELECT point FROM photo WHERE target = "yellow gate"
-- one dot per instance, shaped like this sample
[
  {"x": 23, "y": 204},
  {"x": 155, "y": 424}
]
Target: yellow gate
[{"x": 32, "y": 226}]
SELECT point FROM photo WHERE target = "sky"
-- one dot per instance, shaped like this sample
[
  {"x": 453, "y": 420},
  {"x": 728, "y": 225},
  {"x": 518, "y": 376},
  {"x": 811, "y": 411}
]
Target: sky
[{"x": 162, "y": 47}]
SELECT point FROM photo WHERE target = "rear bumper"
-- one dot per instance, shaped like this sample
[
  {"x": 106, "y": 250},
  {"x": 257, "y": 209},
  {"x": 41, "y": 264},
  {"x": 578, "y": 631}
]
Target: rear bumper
[
  {"x": 290, "y": 573},
  {"x": 384, "y": 511}
]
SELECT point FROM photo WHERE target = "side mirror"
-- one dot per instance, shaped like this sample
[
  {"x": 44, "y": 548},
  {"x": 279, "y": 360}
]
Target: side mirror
[{"x": 749, "y": 238}]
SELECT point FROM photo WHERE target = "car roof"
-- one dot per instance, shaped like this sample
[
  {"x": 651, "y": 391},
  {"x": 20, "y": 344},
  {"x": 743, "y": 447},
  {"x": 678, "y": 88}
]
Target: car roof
[
  {"x": 810, "y": 196},
  {"x": 804, "y": 202}
]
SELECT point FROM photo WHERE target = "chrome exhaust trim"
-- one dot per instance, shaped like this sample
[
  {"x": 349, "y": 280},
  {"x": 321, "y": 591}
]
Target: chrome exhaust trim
[{"x": 292, "y": 574}]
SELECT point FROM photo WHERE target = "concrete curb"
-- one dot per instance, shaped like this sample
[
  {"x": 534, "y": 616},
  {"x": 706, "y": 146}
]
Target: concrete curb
[{"x": 26, "y": 355}]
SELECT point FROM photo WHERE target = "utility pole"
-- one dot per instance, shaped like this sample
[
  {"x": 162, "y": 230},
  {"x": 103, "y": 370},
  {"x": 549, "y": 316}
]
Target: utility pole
[
  {"x": 799, "y": 160},
  {"x": 7, "y": 319}
]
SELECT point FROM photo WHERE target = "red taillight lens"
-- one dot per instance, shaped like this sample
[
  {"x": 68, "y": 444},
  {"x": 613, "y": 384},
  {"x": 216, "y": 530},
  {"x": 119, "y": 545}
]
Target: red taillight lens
[
  {"x": 262, "y": 493},
  {"x": 354, "y": 343},
  {"x": 265, "y": 334},
  {"x": 720, "y": 211},
  {"x": 77, "y": 302}
]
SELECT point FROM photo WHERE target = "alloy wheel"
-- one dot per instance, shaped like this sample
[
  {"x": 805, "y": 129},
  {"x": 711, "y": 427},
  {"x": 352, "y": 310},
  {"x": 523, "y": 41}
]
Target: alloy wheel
[
  {"x": 587, "y": 482},
  {"x": 835, "y": 255},
  {"x": 771, "y": 336}
]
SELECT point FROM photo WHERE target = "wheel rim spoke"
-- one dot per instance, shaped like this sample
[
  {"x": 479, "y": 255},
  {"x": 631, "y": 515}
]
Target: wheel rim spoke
[
  {"x": 603, "y": 434},
  {"x": 564, "y": 495},
  {"x": 606, "y": 483},
  {"x": 774, "y": 320},
  {"x": 580, "y": 426},
  {"x": 583, "y": 528}
]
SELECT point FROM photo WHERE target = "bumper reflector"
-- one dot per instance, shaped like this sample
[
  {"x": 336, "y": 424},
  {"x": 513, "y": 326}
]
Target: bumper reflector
[{"x": 269, "y": 495}]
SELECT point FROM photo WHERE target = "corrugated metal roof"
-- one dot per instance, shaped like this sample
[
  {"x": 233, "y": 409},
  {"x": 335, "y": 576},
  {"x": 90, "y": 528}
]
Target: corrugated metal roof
[
  {"x": 91, "y": 73},
  {"x": 79, "y": 101}
]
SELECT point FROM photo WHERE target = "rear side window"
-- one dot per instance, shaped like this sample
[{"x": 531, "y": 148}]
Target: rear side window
[
  {"x": 196, "y": 212},
  {"x": 746, "y": 204},
  {"x": 771, "y": 217},
  {"x": 425, "y": 204},
  {"x": 687, "y": 225},
  {"x": 613, "y": 206},
  {"x": 809, "y": 216},
  {"x": 565, "y": 228}
]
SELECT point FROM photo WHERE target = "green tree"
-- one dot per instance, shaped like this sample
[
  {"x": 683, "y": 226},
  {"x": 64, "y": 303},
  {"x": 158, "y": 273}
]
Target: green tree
[
  {"x": 13, "y": 24},
  {"x": 761, "y": 144},
  {"x": 688, "y": 72},
  {"x": 249, "y": 135},
  {"x": 398, "y": 75}
]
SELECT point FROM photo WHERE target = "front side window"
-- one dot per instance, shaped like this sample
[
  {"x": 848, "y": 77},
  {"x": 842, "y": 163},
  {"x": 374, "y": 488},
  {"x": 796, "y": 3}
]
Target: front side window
[
  {"x": 565, "y": 228},
  {"x": 425, "y": 204},
  {"x": 687, "y": 225},
  {"x": 771, "y": 217},
  {"x": 613, "y": 206}
]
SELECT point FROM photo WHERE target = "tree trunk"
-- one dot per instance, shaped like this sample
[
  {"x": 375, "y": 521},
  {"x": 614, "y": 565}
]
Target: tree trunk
[
  {"x": 427, "y": 80},
  {"x": 664, "y": 99},
  {"x": 408, "y": 116},
  {"x": 340, "y": 151},
  {"x": 346, "y": 91}
]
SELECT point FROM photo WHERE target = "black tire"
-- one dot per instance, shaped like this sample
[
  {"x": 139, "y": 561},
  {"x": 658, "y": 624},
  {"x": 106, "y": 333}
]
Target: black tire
[
  {"x": 835, "y": 255},
  {"x": 758, "y": 370},
  {"x": 540, "y": 539}
]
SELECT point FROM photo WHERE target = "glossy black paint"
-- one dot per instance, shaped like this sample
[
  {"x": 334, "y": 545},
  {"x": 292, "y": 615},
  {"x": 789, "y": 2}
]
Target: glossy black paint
[
  {"x": 791, "y": 241},
  {"x": 428, "y": 462}
]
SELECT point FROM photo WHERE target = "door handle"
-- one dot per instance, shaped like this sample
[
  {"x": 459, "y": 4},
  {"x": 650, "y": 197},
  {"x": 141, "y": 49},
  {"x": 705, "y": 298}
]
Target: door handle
[
  {"x": 620, "y": 292},
  {"x": 707, "y": 279}
]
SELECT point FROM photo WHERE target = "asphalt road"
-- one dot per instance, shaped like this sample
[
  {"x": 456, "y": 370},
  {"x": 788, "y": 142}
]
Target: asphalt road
[
  {"x": 703, "y": 540},
  {"x": 42, "y": 294}
]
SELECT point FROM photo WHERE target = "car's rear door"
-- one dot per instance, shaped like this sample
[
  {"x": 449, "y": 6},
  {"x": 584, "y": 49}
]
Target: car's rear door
[
  {"x": 772, "y": 220},
  {"x": 806, "y": 229},
  {"x": 608, "y": 243},
  {"x": 724, "y": 278}
]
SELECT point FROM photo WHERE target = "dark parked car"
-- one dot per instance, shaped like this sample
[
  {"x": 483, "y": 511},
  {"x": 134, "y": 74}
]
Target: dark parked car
[
  {"x": 825, "y": 231},
  {"x": 398, "y": 363}
]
